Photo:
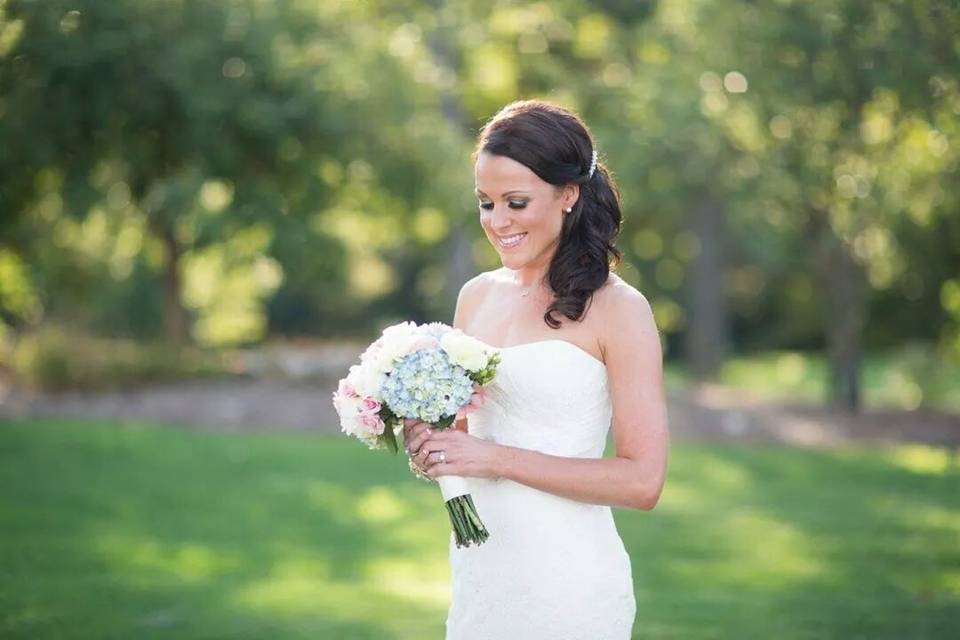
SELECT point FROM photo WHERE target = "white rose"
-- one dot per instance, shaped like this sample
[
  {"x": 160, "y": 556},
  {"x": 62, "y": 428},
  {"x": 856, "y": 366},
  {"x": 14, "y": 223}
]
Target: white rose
[
  {"x": 399, "y": 331},
  {"x": 397, "y": 341},
  {"x": 366, "y": 379},
  {"x": 466, "y": 351}
]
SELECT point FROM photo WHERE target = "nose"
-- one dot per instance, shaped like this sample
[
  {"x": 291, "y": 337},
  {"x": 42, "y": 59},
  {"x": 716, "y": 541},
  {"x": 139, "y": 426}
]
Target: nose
[{"x": 500, "y": 219}]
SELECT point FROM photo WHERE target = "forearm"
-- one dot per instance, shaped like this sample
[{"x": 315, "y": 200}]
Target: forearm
[{"x": 608, "y": 481}]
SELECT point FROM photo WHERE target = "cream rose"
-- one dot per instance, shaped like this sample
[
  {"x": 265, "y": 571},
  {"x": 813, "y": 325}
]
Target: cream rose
[
  {"x": 365, "y": 379},
  {"x": 466, "y": 351},
  {"x": 397, "y": 341}
]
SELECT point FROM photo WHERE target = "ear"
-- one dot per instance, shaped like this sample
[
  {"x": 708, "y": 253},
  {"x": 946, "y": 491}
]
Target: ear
[{"x": 569, "y": 195}]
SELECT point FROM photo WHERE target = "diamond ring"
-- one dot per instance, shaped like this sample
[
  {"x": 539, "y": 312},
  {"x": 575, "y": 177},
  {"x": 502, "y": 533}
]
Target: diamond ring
[{"x": 443, "y": 456}]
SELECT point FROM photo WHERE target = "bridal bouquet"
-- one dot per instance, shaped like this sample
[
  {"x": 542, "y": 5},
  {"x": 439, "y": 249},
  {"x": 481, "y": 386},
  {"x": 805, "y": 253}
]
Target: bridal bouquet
[{"x": 428, "y": 372}]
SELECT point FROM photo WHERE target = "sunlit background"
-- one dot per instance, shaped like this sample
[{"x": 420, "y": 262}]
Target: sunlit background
[{"x": 209, "y": 207}]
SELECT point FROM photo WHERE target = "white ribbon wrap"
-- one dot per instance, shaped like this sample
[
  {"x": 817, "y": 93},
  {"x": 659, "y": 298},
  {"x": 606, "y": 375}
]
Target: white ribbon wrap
[{"x": 452, "y": 486}]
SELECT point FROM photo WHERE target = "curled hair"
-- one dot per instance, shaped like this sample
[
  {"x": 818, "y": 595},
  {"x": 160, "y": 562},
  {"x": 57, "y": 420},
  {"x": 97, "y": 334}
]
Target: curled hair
[{"x": 556, "y": 145}]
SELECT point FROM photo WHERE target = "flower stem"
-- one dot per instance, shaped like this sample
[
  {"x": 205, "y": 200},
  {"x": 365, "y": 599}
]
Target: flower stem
[{"x": 466, "y": 523}]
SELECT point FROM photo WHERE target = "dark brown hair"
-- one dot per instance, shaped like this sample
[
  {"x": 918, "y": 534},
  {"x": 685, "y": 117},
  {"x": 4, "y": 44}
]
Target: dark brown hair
[{"x": 556, "y": 145}]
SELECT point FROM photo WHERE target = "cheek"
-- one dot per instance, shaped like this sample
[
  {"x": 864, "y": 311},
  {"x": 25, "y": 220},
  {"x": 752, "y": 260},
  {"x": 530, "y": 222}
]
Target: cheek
[
  {"x": 485, "y": 222},
  {"x": 537, "y": 222}
]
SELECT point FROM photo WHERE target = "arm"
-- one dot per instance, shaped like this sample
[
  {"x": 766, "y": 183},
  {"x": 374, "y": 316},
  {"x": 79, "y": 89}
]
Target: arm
[
  {"x": 594, "y": 480},
  {"x": 635, "y": 476}
]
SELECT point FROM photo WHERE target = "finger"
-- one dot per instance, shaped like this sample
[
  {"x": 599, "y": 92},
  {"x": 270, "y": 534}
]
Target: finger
[
  {"x": 418, "y": 445},
  {"x": 421, "y": 427},
  {"x": 445, "y": 436},
  {"x": 430, "y": 458},
  {"x": 417, "y": 441},
  {"x": 423, "y": 458},
  {"x": 433, "y": 461},
  {"x": 411, "y": 425},
  {"x": 411, "y": 432}
]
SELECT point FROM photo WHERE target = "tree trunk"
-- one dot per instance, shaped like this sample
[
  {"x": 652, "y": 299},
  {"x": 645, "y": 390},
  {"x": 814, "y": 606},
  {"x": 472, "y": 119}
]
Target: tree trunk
[
  {"x": 174, "y": 314},
  {"x": 708, "y": 331},
  {"x": 842, "y": 280}
]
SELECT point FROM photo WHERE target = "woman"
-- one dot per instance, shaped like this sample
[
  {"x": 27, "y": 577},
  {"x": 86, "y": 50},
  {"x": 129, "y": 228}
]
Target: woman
[{"x": 554, "y": 566}]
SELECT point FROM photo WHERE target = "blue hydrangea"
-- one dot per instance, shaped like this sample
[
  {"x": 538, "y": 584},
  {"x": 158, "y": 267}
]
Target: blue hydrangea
[{"x": 427, "y": 386}]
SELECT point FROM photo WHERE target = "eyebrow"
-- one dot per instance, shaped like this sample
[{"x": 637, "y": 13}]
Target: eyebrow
[{"x": 506, "y": 193}]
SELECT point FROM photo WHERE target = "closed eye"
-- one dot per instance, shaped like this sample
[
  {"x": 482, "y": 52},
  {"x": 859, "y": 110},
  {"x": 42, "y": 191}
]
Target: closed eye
[{"x": 513, "y": 205}]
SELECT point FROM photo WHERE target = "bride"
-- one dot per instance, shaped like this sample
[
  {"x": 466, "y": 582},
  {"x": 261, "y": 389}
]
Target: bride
[{"x": 554, "y": 566}]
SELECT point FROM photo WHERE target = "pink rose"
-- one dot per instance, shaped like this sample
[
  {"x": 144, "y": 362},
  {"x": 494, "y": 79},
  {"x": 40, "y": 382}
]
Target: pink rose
[
  {"x": 372, "y": 422},
  {"x": 371, "y": 405},
  {"x": 346, "y": 390}
]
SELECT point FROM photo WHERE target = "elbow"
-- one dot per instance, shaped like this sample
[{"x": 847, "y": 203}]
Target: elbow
[
  {"x": 644, "y": 487},
  {"x": 646, "y": 496}
]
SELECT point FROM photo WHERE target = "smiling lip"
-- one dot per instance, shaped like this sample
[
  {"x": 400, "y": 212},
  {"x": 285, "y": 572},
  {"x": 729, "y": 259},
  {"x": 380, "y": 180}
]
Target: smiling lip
[{"x": 513, "y": 244}]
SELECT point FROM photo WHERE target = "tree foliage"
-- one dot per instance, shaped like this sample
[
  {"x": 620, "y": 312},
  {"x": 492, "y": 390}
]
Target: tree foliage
[{"x": 220, "y": 171}]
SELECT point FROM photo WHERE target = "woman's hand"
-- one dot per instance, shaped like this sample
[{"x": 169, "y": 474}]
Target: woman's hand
[
  {"x": 415, "y": 433},
  {"x": 464, "y": 454}
]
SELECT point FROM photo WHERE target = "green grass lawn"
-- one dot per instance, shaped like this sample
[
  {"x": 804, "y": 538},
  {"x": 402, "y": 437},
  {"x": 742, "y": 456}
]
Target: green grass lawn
[{"x": 111, "y": 531}]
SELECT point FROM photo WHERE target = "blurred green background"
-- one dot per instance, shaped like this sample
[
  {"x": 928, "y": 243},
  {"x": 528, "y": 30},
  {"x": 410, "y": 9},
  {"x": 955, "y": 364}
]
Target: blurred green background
[
  {"x": 186, "y": 185},
  {"x": 226, "y": 172}
]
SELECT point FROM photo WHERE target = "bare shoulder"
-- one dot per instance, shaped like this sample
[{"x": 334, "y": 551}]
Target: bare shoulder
[
  {"x": 478, "y": 284},
  {"x": 471, "y": 295},
  {"x": 617, "y": 296},
  {"x": 625, "y": 315}
]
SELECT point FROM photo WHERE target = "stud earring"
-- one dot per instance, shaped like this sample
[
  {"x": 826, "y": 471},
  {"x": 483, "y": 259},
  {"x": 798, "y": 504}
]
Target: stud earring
[{"x": 568, "y": 209}]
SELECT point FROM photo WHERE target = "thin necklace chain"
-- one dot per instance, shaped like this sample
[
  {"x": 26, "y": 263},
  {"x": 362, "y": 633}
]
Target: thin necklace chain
[{"x": 526, "y": 292}]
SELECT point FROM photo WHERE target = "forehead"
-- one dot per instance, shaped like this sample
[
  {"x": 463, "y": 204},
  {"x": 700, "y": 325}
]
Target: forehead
[{"x": 493, "y": 173}]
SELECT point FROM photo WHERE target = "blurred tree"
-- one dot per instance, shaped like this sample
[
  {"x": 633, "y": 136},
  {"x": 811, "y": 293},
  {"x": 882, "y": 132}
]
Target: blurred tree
[
  {"x": 198, "y": 111},
  {"x": 852, "y": 127},
  {"x": 286, "y": 167}
]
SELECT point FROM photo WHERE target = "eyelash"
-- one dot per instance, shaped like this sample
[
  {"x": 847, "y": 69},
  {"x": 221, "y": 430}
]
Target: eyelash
[{"x": 487, "y": 205}]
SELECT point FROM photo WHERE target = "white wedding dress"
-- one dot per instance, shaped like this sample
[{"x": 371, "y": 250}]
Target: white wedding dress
[{"x": 552, "y": 568}]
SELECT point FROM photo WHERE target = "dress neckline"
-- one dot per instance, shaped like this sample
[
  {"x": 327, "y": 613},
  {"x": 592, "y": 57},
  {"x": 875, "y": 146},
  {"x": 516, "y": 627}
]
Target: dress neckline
[{"x": 573, "y": 346}]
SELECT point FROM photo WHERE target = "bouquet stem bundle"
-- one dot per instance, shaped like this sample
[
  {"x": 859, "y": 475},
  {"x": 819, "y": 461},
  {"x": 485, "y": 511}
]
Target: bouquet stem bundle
[{"x": 467, "y": 526}]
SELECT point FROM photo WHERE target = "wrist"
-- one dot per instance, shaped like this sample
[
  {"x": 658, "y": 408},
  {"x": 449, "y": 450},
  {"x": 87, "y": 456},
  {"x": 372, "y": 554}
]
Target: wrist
[{"x": 501, "y": 461}]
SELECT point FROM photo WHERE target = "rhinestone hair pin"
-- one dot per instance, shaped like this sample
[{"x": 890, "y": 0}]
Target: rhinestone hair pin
[{"x": 593, "y": 164}]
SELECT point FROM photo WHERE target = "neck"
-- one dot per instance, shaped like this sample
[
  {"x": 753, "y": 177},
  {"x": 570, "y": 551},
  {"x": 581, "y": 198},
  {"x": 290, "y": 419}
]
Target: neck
[{"x": 529, "y": 277}]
